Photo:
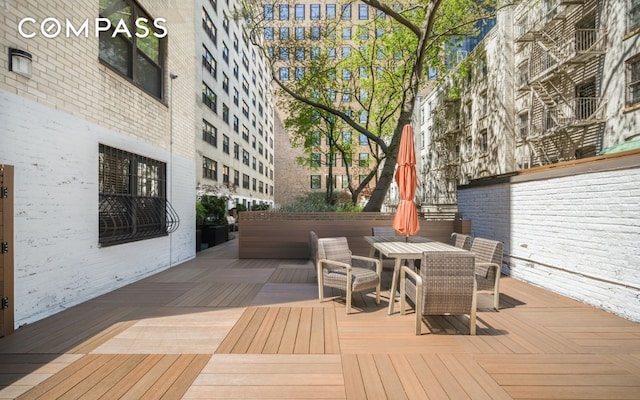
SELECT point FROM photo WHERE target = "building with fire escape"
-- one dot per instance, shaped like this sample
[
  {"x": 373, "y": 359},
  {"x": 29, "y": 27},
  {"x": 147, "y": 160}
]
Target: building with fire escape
[
  {"x": 560, "y": 51},
  {"x": 554, "y": 80}
]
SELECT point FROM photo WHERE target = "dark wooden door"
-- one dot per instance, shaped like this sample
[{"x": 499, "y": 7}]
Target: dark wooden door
[{"x": 6, "y": 250}]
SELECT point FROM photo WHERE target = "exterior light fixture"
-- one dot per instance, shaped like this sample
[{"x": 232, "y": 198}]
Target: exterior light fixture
[{"x": 20, "y": 62}]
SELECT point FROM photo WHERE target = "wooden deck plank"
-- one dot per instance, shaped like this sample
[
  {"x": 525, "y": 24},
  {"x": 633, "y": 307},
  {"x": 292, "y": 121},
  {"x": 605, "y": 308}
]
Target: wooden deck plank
[
  {"x": 235, "y": 334},
  {"x": 272, "y": 346},
  {"x": 287, "y": 344},
  {"x": 389, "y": 377},
  {"x": 249, "y": 333},
  {"x": 372, "y": 382},
  {"x": 303, "y": 336},
  {"x": 410, "y": 383},
  {"x": 184, "y": 374},
  {"x": 262, "y": 335},
  {"x": 66, "y": 377},
  {"x": 539, "y": 345},
  {"x": 331, "y": 340}
]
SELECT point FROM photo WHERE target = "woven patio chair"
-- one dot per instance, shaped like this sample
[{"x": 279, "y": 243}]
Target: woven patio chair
[
  {"x": 488, "y": 265},
  {"x": 445, "y": 285},
  {"x": 383, "y": 231},
  {"x": 460, "y": 240},
  {"x": 338, "y": 268}
]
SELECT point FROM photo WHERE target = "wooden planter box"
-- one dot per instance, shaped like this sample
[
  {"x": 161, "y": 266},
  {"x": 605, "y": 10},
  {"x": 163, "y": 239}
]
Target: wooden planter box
[
  {"x": 214, "y": 234},
  {"x": 286, "y": 235}
]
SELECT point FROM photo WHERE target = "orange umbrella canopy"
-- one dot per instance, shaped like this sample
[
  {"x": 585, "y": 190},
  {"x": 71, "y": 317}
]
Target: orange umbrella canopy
[{"x": 406, "y": 219}]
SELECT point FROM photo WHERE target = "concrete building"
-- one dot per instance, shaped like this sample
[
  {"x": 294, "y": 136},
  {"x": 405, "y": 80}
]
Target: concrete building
[
  {"x": 296, "y": 31},
  {"x": 100, "y": 138},
  {"x": 235, "y": 143}
]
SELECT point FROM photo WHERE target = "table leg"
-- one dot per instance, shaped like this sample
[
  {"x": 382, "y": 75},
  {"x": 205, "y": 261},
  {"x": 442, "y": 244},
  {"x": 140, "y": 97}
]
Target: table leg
[{"x": 394, "y": 284}]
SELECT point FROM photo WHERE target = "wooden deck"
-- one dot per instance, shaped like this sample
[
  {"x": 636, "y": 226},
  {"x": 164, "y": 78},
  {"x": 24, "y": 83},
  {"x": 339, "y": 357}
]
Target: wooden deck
[{"x": 218, "y": 327}]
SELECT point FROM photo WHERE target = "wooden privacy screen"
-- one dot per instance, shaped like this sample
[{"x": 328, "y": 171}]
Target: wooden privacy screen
[{"x": 286, "y": 235}]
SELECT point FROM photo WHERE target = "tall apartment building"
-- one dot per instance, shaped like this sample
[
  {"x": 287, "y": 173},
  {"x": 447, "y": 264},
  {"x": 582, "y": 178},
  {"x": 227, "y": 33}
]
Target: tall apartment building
[
  {"x": 290, "y": 31},
  {"x": 100, "y": 142},
  {"x": 235, "y": 143},
  {"x": 554, "y": 80}
]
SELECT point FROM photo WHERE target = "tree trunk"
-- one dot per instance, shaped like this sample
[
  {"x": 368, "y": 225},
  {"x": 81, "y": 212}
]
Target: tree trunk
[{"x": 386, "y": 176}]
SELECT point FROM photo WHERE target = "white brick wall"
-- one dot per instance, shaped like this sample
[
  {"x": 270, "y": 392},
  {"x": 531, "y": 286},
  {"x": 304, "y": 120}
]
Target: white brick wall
[
  {"x": 50, "y": 128},
  {"x": 57, "y": 260},
  {"x": 575, "y": 235}
]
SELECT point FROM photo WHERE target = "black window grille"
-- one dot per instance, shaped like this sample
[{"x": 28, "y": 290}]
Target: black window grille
[{"x": 133, "y": 198}]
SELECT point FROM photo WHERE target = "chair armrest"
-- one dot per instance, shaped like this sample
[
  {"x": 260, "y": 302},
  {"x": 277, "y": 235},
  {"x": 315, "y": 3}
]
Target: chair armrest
[
  {"x": 482, "y": 268},
  {"x": 322, "y": 264},
  {"x": 375, "y": 261}
]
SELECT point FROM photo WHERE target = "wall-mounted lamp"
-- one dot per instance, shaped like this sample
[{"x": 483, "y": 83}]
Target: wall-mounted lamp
[{"x": 20, "y": 62}]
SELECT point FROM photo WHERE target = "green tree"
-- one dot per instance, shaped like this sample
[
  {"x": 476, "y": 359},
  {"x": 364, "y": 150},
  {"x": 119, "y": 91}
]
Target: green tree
[{"x": 378, "y": 66}]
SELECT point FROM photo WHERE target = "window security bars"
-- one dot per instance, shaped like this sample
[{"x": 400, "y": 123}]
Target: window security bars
[{"x": 132, "y": 198}]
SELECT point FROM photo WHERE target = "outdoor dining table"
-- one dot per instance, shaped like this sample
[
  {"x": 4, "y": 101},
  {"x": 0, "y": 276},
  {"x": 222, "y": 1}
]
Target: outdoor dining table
[{"x": 398, "y": 248}]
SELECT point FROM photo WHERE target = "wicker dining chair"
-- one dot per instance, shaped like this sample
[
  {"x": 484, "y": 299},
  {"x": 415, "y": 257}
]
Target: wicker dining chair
[
  {"x": 445, "y": 285},
  {"x": 460, "y": 240},
  {"x": 338, "y": 268},
  {"x": 488, "y": 265}
]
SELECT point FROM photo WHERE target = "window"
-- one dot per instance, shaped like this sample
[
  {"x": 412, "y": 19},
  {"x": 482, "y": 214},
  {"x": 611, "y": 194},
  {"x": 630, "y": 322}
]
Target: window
[
  {"x": 209, "y": 168},
  {"x": 225, "y": 22},
  {"x": 346, "y": 138},
  {"x": 283, "y": 13},
  {"x": 299, "y": 12},
  {"x": 363, "y": 160},
  {"x": 314, "y": 140},
  {"x": 268, "y": 11},
  {"x": 245, "y": 181},
  {"x": 225, "y": 113},
  {"x": 299, "y": 53},
  {"x": 633, "y": 81},
  {"x": 225, "y": 83},
  {"x": 132, "y": 198},
  {"x": 225, "y": 143},
  {"x": 236, "y": 151},
  {"x": 209, "y": 28},
  {"x": 245, "y": 157},
  {"x": 209, "y": 133},
  {"x": 346, "y": 33},
  {"x": 316, "y": 182},
  {"x": 331, "y": 159},
  {"x": 299, "y": 73},
  {"x": 284, "y": 33},
  {"x": 253, "y": 183},
  {"x": 140, "y": 59},
  {"x": 363, "y": 12},
  {"x": 236, "y": 124},
  {"x": 225, "y": 174},
  {"x": 225, "y": 53},
  {"x": 315, "y": 33},
  {"x": 346, "y": 12},
  {"x": 209, "y": 63},
  {"x": 284, "y": 73},
  {"x": 236, "y": 178},
  {"x": 314, "y": 11},
  {"x": 345, "y": 181},
  {"x": 268, "y": 33},
  {"x": 346, "y": 52},
  {"x": 315, "y": 160},
  {"x": 364, "y": 140},
  {"x": 633, "y": 19},
  {"x": 299, "y": 32},
  {"x": 523, "y": 125},
  {"x": 209, "y": 98},
  {"x": 331, "y": 11},
  {"x": 284, "y": 53},
  {"x": 483, "y": 141}
]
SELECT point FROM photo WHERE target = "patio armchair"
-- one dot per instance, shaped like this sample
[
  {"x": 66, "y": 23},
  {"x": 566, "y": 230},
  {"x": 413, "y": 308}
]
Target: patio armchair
[
  {"x": 338, "y": 268},
  {"x": 445, "y": 285},
  {"x": 460, "y": 240},
  {"x": 488, "y": 265}
]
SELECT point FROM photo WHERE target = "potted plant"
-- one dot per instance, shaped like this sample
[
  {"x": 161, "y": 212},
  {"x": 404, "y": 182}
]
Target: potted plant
[{"x": 211, "y": 211}]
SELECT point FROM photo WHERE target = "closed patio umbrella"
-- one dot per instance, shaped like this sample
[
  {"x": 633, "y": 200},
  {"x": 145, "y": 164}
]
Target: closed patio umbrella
[{"x": 406, "y": 219}]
